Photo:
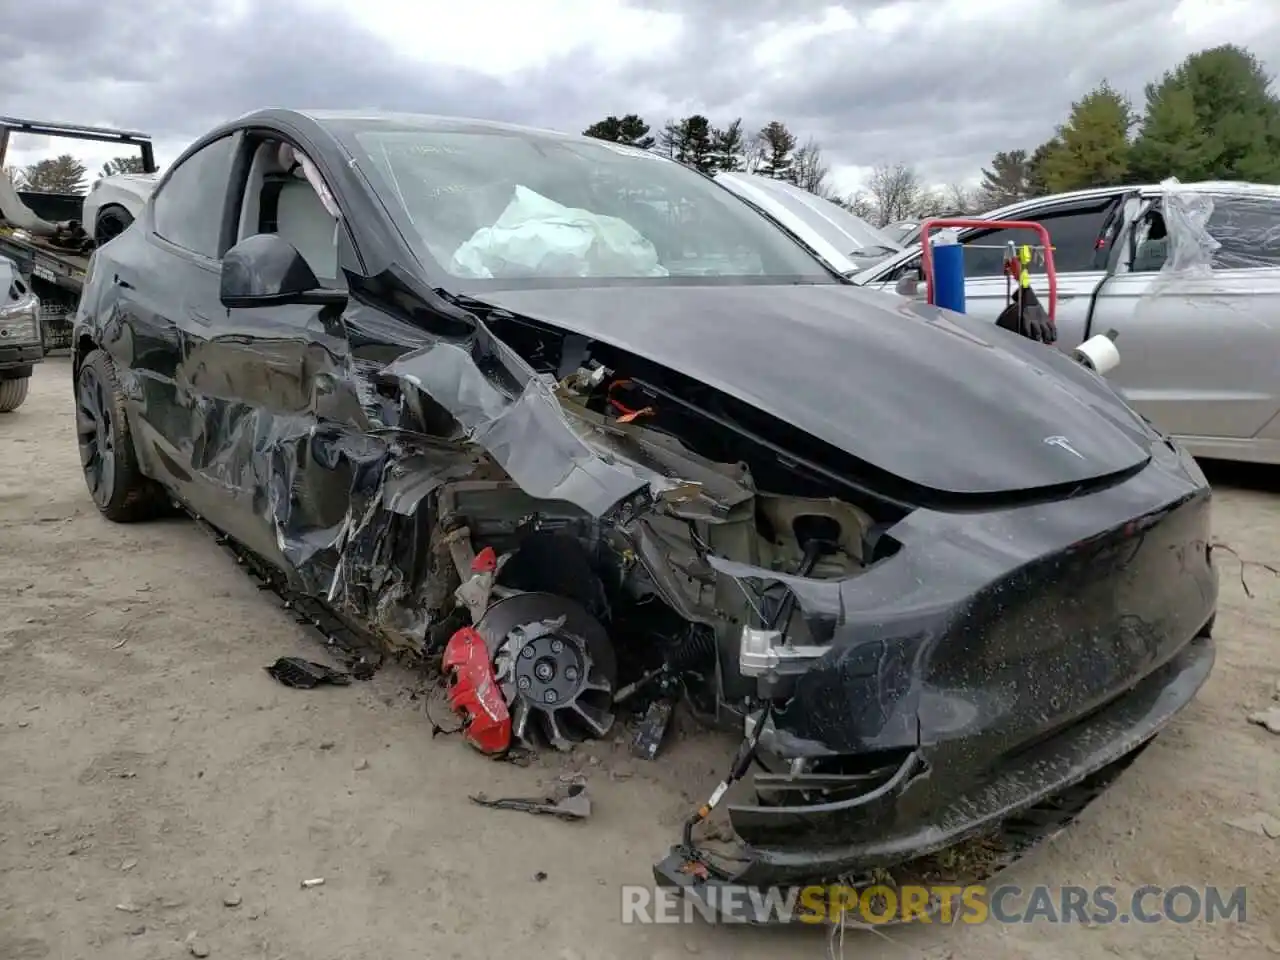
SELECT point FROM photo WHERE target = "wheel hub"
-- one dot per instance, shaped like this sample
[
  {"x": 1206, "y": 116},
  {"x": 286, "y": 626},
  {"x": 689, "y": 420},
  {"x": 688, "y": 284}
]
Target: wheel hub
[
  {"x": 550, "y": 667},
  {"x": 555, "y": 665}
]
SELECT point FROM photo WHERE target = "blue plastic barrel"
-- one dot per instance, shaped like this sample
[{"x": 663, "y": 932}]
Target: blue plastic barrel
[{"x": 948, "y": 275}]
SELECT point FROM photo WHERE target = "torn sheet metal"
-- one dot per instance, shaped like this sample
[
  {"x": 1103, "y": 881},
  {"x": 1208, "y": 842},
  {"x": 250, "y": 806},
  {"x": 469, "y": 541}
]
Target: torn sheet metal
[
  {"x": 525, "y": 430},
  {"x": 817, "y": 598}
]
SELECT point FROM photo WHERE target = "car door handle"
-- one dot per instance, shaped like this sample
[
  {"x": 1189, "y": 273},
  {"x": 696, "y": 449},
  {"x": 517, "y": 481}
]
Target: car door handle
[{"x": 119, "y": 282}]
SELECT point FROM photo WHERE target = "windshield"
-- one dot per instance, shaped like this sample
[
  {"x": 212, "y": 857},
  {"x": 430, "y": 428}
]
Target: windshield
[
  {"x": 488, "y": 205},
  {"x": 849, "y": 234},
  {"x": 903, "y": 231}
]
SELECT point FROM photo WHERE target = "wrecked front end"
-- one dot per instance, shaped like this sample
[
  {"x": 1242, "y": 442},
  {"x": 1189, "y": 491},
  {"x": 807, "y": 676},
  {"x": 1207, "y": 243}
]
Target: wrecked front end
[
  {"x": 904, "y": 676},
  {"x": 988, "y": 680}
]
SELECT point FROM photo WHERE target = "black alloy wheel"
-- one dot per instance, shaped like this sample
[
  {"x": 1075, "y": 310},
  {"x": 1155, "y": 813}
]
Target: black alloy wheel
[{"x": 95, "y": 434}]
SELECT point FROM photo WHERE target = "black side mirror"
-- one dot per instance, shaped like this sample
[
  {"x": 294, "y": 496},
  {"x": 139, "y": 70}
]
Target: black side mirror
[{"x": 266, "y": 270}]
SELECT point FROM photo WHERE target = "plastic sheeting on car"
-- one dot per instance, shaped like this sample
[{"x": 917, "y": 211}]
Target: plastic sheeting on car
[
  {"x": 1190, "y": 247},
  {"x": 535, "y": 236},
  {"x": 1207, "y": 230}
]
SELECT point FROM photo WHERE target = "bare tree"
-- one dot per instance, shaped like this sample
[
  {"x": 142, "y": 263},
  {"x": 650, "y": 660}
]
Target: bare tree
[
  {"x": 117, "y": 165},
  {"x": 962, "y": 199},
  {"x": 809, "y": 170},
  {"x": 895, "y": 190},
  {"x": 753, "y": 154},
  {"x": 932, "y": 203},
  {"x": 860, "y": 204}
]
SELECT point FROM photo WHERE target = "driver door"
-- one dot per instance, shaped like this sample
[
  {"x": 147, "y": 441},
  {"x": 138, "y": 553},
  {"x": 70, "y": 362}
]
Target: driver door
[{"x": 282, "y": 422}]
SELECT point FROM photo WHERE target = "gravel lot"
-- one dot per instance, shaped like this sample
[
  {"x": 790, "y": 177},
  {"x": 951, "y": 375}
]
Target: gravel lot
[{"x": 153, "y": 773}]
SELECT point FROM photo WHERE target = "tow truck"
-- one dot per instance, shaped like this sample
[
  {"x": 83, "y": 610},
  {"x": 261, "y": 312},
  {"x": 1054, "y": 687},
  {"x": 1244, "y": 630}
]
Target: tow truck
[{"x": 42, "y": 234}]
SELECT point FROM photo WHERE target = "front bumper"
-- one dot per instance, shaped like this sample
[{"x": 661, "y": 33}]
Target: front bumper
[
  {"x": 16, "y": 361},
  {"x": 1025, "y": 780},
  {"x": 993, "y": 662}
]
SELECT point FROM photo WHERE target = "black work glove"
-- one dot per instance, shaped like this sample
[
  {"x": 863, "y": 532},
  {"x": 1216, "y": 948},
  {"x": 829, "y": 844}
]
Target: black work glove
[{"x": 1025, "y": 317}]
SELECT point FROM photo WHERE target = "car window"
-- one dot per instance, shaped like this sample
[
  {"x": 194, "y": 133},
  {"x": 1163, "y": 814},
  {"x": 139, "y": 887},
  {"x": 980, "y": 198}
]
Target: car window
[
  {"x": 189, "y": 205},
  {"x": 1248, "y": 229},
  {"x": 1073, "y": 231},
  {"x": 280, "y": 196},
  {"x": 1151, "y": 243},
  {"x": 833, "y": 223},
  {"x": 503, "y": 205}
]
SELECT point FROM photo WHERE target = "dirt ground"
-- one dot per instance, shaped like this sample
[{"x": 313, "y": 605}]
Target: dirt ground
[{"x": 151, "y": 773}]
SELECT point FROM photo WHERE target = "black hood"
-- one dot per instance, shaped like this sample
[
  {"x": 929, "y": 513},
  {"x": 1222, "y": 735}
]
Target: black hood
[{"x": 938, "y": 399}]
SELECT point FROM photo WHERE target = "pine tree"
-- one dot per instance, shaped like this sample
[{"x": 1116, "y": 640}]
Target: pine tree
[
  {"x": 776, "y": 144},
  {"x": 1213, "y": 117},
  {"x": 1093, "y": 145},
  {"x": 63, "y": 174}
]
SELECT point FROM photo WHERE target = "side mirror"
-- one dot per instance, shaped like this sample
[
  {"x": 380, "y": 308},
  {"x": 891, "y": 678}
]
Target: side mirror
[
  {"x": 910, "y": 280},
  {"x": 266, "y": 270}
]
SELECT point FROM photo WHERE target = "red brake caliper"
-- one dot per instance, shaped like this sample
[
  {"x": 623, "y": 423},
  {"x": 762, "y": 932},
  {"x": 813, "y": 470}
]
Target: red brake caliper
[{"x": 474, "y": 693}]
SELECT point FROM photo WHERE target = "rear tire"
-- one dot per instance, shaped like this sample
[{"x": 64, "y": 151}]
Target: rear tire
[
  {"x": 119, "y": 489},
  {"x": 110, "y": 223},
  {"x": 13, "y": 393}
]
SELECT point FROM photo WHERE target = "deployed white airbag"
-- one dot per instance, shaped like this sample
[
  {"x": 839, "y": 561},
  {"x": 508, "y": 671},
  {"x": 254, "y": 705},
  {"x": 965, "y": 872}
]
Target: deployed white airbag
[{"x": 535, "y": 236}]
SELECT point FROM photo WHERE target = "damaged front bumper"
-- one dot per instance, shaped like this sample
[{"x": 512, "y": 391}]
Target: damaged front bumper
[
  {"x": 891, "y": 834},
  {"x": 971, "y": 682}
]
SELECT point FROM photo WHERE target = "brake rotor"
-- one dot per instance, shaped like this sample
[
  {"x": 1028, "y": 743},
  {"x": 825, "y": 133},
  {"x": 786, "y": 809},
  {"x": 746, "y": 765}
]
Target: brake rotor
[{"x": 555, "y": 665}]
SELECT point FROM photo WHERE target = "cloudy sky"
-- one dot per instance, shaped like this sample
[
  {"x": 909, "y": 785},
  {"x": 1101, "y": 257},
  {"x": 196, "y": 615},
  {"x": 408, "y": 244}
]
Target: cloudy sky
[{"x": 941, "y": 84}]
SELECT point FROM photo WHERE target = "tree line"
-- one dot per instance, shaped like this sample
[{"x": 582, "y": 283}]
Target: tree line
[
  {"x": 894, "y": 191},
  {"x": 1212, "y": 117},
  {"x": 773, "y": 150}
]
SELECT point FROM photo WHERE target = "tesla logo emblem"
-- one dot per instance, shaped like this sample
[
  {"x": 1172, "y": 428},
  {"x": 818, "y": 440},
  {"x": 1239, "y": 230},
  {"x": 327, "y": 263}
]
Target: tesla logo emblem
[{"x": 1065, "y": 444}]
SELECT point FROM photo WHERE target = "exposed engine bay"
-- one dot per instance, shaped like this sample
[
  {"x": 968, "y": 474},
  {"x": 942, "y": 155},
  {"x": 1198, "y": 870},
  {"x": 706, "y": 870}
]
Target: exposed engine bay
[{"x": 576, "y": 609}]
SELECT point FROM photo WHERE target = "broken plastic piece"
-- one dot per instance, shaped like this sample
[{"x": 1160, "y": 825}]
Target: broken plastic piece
[
  {"x": 486, "y": 561},
  {"x": 305, "y": 674},
  {"x": 763, "y": 652},
  {"x": 648, "y": 737},
  {"x": 575, "y": 804},
  {"x": 363, "y": 669},
  {"x": 474, "y": 694},
  {"x": 475, "y": 593}
]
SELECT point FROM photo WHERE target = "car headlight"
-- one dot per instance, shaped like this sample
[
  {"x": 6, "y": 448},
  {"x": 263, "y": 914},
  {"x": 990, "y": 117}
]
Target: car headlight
[{"x": 20, "y": 322}]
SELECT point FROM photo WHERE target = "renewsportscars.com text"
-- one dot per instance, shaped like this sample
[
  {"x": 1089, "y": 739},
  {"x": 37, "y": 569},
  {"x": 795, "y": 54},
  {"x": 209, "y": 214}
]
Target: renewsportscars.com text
[{"x": 943, "y": 904}]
